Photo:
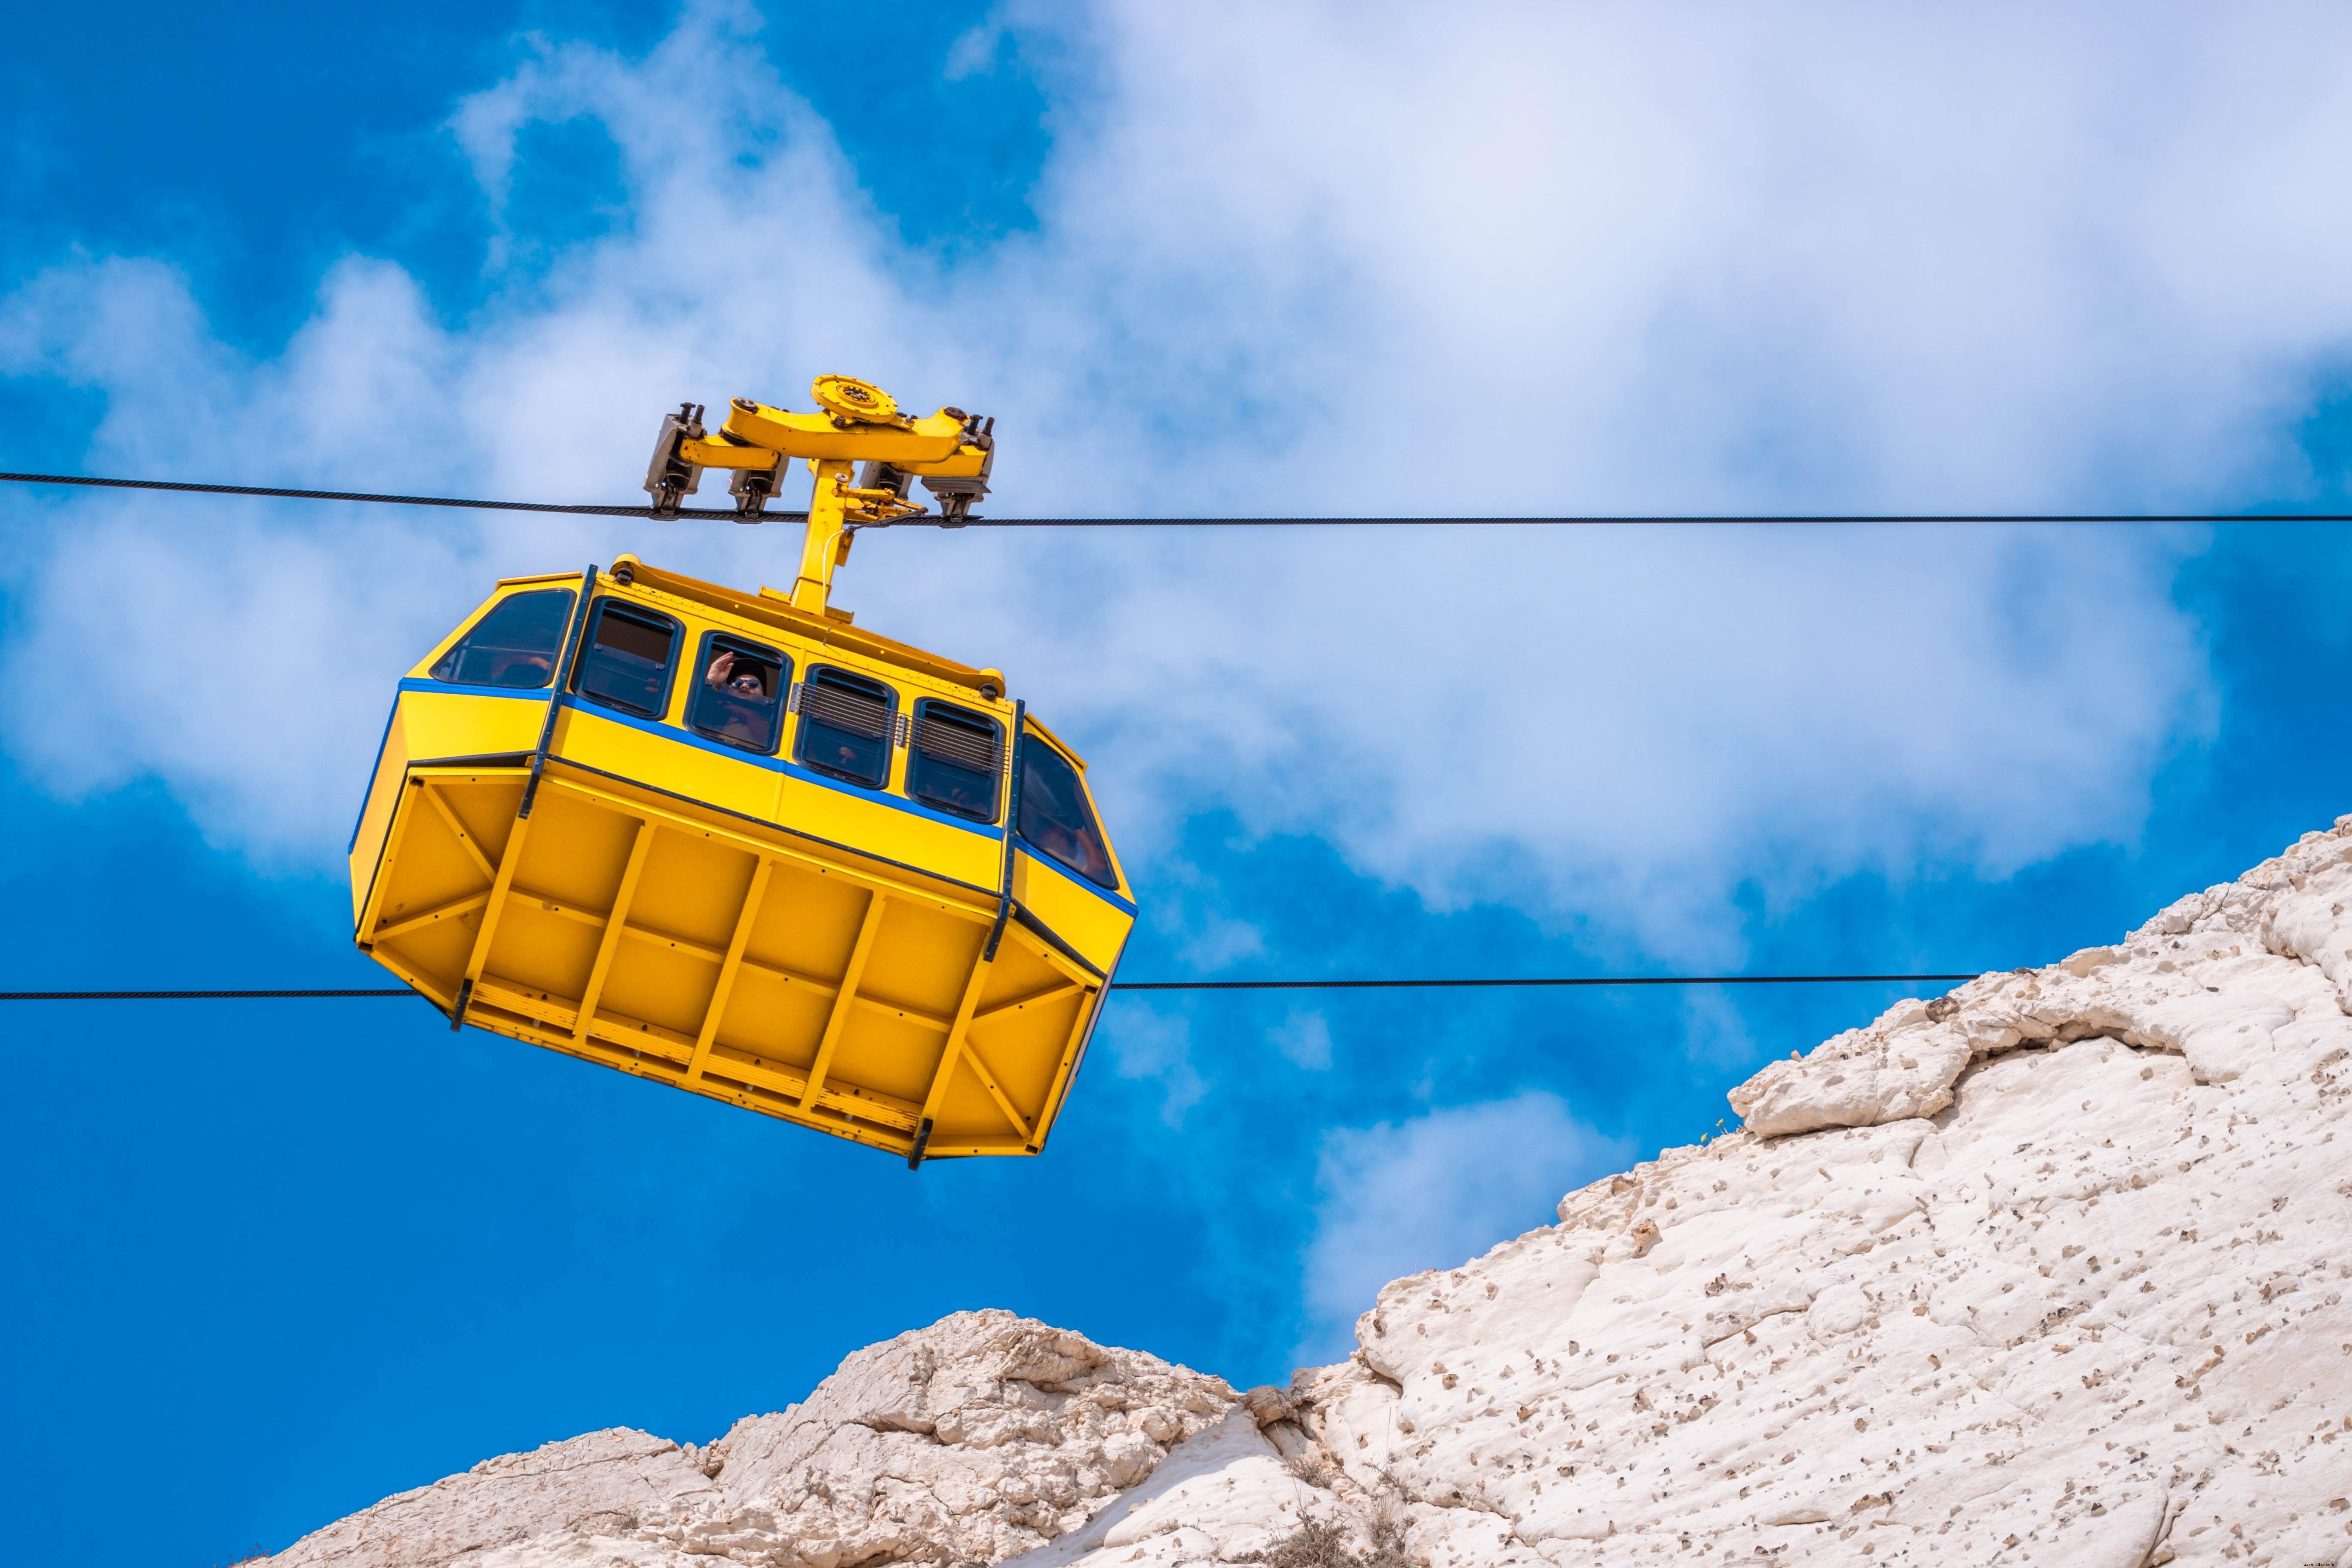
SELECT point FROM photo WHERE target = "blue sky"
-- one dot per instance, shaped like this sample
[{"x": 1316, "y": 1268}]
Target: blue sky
[{"x": 286, "y": 1259}]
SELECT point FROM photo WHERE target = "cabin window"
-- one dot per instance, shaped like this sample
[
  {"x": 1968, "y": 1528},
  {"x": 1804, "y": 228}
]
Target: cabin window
[
  {"x": 955, "y": 760},
  {"x": 845, "y": 726},
  {"x": 1055, "y": 817},
  {"x": 626, "y": 664},
  {"x": 516, "y": 644},
  {"x": 738, "y": 699}
]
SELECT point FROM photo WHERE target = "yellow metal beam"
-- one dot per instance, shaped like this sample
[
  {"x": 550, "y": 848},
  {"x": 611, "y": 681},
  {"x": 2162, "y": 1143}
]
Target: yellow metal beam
[
  {"x": 1037, "y": 999},
  {"x": 929, "y": 444},
  {"x": 1052, "y": 1107},
  {"x": 824, "y": 542},
  {"x": 634, "y": 1036},
  {"x": 615, "y": 922},
  {"x": 957, "y": 1031},
  {"x": 465, "y": 839},
  {"x": 987, "y": 1076},
  {"x": 725, "y": 985},
  {"x": 427, "y": 985},
  {"x": 404, "y": 813},
  {"x": 412, "y": 923},
  {"x": 833, "y": 1025},
  {"x": 941, "y": 1148},
  {"x": 617, "y": 1040},
  {"x": 516, "y": 837},
  {"x": 692, "y": 949},
  {"x": 860, "y": 875},
  {"x": 893, "y": 1010}
]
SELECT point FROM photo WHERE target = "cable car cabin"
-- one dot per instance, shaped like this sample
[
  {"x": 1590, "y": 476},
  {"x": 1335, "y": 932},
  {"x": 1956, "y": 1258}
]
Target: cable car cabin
[
  {"x": 765, "y": 860},
  {"x": 749, "y": 850}
]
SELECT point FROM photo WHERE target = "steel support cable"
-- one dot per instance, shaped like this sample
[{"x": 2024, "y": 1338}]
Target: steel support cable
[
  {"x": 1592, "y": 518},
  {"x": 197, "y": 995},
  {"x": 190, "y": 489},
  {"x": 1115, "y": 985}
]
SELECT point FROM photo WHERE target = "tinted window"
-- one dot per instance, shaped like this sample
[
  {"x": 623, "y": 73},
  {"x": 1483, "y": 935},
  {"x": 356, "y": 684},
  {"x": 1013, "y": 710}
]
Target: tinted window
[
  {"x": 955, "y": 761},
  {"x": 1055, "y": 817},
  {"x": 515, "y": 644},
  {"x": 738, "y": 698},
  {"x": 845, "y": 726},
  {"x": 627, "y": 662}
]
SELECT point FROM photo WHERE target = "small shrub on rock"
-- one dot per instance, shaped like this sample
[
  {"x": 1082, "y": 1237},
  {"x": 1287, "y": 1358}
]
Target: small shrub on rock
[{"x": 1316, "y": 1544}]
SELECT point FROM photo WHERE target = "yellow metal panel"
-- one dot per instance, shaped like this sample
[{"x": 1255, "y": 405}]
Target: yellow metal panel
[
  {"x": 608, "y": 944},
  {"x": 1093, "y": 926},
  {"x": 722, "y": 989},
  {"x": 461, "y": 723},
  {"x": 368, "y": 839},
  {"x": 844, "y": 995}
]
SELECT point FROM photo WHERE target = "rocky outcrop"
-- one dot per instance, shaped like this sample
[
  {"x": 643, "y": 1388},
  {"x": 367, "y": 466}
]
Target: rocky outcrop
[
  {"x": 970, "y": 1441},
  {"x": 2052, "y": 1269}
]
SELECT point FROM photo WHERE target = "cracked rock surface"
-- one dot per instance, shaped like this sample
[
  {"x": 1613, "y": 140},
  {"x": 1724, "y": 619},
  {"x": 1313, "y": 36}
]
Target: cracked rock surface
[{"x": 2052, "y": 1269}]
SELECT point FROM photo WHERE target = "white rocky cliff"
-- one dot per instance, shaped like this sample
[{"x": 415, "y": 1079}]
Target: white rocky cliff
[{"x": 2049, "y": 1271}]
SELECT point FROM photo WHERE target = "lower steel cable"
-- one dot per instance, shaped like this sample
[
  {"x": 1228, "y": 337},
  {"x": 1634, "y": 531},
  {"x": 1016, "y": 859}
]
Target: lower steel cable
[{"x": 1115, "y": 985}]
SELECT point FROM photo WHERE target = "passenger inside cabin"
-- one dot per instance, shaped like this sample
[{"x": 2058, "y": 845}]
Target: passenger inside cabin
[
  {"x": 1053, "y": 819},
  {"x": 966, "y": 794},
  {"x": 724, "y": 675},
  {"x": 525, "y": 669},
  {"x": 739, "y": 705}
]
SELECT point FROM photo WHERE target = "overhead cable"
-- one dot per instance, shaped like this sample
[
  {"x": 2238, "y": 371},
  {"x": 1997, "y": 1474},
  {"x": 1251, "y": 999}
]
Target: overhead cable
[
  {"x": 1559, "y": 980},
  {"x": 280, "y": 995},
  {"x": 192, "y": 488},
  {"x": 199, "y": 996},
  {"x": 1571, "y": 520}
]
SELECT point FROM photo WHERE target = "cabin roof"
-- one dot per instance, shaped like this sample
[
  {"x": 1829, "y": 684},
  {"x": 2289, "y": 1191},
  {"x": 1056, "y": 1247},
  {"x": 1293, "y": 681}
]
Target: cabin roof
[{"x": 769, "y": 608}]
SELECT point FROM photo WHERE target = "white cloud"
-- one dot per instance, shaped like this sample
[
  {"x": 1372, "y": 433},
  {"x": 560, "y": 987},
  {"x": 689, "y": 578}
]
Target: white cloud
[
  {"x": 1363, "y": 259},
  {"x": 1159, "y": 1046},
  {"x": 1433, "y": 1191},
  {"x": 1304, "y": 1037}
]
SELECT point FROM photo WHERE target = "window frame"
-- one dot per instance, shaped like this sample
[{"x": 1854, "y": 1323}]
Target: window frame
[
  {"x": 914, "y": 756},
  {"x": 706, "y": 651},
  {"x": 456, "y": 645},
  {"x": 596, "y": 613},
  {"x": 888, "y": 740}
]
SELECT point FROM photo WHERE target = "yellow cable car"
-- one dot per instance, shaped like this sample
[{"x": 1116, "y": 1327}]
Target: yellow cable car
[{"x": 742, "y": 846}]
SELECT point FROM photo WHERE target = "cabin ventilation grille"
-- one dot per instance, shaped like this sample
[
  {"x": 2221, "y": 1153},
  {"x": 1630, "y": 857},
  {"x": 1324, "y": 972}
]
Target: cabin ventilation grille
[
  {"x": 965, "y": 744},
  {"x": 851, "y": 711}
]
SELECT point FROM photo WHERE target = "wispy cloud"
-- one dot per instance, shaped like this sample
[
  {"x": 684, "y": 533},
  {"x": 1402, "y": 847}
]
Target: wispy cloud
[
  {"x": 1158, "y": 1048},
  {"x": 1362, "y": 259},
  {"x": 1304, "y": 1038},
  {"x": 1432, "y": 1192}
]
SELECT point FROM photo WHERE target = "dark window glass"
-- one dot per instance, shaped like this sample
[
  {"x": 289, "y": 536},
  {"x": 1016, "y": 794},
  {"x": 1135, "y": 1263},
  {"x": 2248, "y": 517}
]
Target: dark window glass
[
  {"x": 740, "y": 698},
  {"x": 1055, "y": 815},
  {"x": 955, "y": 762},
  {"x": 627, "y": 660},
  {"x": 515, "y": 644},
  {"x": 845, "y": 726}
]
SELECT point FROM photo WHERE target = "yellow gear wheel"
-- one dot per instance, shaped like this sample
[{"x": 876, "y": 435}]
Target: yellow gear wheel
[{"x": 861, "y": 402}]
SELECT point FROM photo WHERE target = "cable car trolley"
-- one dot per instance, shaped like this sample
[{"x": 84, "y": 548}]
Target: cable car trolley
[{"x": 732, "y": 842}]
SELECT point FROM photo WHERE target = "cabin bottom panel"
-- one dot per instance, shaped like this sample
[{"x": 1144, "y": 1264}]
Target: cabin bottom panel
[{"x": 835, "y": 995}]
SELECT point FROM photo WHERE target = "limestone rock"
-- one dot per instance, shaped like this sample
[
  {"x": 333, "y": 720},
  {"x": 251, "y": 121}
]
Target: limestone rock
[
  {"x": 2052, "y": 1269},
  {"x": 612, "y": 1483},
  {"x": 981, "y": 1436},
  {"x": 2262, "y": 948}
]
